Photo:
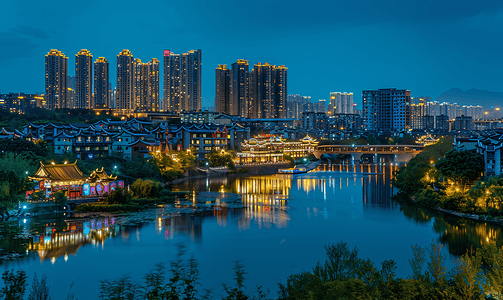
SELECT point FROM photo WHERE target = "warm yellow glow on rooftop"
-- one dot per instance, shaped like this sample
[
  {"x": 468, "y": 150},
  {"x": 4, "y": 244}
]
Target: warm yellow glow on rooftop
[
  {"x": 125, "y": 52},
  {"x": 84, "y": 52},
  {"x": 101, "y": 60}
]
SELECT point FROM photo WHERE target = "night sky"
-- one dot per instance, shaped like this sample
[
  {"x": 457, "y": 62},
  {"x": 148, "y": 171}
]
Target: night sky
[{"x": 425, "y": 46}]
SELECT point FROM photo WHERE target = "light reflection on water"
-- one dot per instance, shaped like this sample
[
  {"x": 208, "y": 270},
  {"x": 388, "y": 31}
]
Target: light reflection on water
[{"x": 281, "y": 227}]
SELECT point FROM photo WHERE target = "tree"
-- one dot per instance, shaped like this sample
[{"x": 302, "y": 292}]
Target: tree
[
  {"x": 14, "y": 285},
  {"x": 461, "y": 167},
  {"x": 60, "y": 198},
  {"x": 146, "y": 188}
]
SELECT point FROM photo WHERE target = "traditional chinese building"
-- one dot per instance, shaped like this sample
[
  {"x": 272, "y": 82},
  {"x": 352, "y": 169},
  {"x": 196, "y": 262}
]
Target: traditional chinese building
[
  {"x": 270, "y": 148},
  {"x": 69, "y": 178}
]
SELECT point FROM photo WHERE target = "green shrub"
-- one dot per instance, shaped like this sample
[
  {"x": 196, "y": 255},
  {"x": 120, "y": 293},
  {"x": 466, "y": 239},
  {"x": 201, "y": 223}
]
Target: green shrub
[
  {"x": 454, "y": 202},
  {"x": 428, "y": 197},
  {"x": 104, "y": 207},
  {"x": 119, "y": 196},
  {"x": 146, "y": 188}
]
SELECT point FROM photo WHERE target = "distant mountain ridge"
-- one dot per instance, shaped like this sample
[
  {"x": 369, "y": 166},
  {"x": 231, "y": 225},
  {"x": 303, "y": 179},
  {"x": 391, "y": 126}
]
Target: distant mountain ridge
[{"x": 472, "y": 97}]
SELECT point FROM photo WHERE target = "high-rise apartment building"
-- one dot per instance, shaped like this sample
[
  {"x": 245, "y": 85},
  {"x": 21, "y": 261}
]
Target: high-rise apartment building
[
  {"x": 386, "y": 109},
  {"x": 239, "y": 88},
  {"x": 172, "y": 95},
  {"x": 56, "y": 72},
  {"x": 280, "y": 93},
  {"x": 153, "y": 85},
  {"x": 125, "y": 91},
  {"x": 140, "y": 86},
  {"x": 340, "y": 103},
  {"x": 191, "y": 80},
  {"x": 101, "y": 84},
  {"x": 320, "y": 106},
  {"x": 182, "y": 81},
  {"x": 83, "y": 79},
  {"x": 268, "y": 91},
  {"x": 417, "y": 112},
  {"x": 222, "y": 90},
  {"x": 70, "y": 95},
  {"x": 263, "y": 91}
]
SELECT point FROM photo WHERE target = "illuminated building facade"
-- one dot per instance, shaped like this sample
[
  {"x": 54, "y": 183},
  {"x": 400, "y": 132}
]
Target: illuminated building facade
[
  {"x": 172, "y": 95},
  {"x": 125, "y": 72},
  {"x": 314, "y": 120},
  {"x": 68, "y": 178},
  {"x": 19, "y": 102},
  {"x": 386, "y": 110},
  {"x": 153, "y": 100},
  {"x": 268, "y": 91},
  {"x": 191, "y": 80},
  {"x": 417, "y": 112},
  {"x": 182, "y": 81},
  {"x": 56, "y": 72},
  {"x": 340, "y": 103},
  {"x": 83, "y": 79},
  {"x": 222, "y": 90},
  {"x": 270, "y": 148},
  {"x": 101, "y": 83},
  {"x": 140, "y": 86}
]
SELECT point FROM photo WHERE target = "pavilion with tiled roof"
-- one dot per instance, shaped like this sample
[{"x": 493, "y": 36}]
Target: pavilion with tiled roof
[
  {"x": 59, "y": 173},
  {"x": 69, "y": 178}
]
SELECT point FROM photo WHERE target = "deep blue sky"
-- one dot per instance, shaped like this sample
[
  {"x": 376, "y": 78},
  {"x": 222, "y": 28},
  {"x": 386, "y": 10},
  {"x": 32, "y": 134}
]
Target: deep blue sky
[{"x": 426, "y": 46}]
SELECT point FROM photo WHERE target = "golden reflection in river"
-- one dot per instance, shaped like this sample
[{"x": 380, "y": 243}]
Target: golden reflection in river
[
  {"x": 264, "y": 201},
  {"x": 65, "y": 239}
]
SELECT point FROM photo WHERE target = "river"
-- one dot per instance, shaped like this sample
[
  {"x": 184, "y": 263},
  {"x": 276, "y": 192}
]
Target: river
[{"x": 281, "y": 228}]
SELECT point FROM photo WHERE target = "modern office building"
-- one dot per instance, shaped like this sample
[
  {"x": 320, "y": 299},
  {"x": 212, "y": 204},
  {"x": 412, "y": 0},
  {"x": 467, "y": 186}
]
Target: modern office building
[
  {"x": 222, "y": 90},
  {"x": 125, "y": 81},
  {"x": 83, "y": 79},
  {"x": 153, "y": 100},
  {"x": 56, "y": 72},
  {"x": 239, "y": 88},
  {"x": 386, "y": 109},
  {"x": 101, "y": 83},
  {"x": 182, "y": 81},
  {"x": 340, "y": 103}
]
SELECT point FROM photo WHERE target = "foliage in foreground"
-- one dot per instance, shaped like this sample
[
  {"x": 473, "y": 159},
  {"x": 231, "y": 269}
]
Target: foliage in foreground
[
  {"x": 343, "y": 275},
  {"x": 346, "y": 276}
]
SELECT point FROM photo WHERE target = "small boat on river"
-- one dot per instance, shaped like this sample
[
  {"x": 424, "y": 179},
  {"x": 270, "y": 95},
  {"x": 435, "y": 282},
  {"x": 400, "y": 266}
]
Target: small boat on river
[{"x": 295, "y": 170}]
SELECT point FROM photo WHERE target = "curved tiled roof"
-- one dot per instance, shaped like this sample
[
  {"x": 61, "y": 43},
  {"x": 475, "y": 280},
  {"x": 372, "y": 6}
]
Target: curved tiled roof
[{"x": 59, "y": 172}]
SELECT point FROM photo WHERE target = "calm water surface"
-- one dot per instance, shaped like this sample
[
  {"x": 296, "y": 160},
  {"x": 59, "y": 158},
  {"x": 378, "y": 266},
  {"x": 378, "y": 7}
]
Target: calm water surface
[{"x": 282, "y": 228}]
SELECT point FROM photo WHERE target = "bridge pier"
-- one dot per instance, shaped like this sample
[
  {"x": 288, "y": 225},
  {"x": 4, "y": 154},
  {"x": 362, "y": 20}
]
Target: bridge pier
[{"x": 356, "y": 157}]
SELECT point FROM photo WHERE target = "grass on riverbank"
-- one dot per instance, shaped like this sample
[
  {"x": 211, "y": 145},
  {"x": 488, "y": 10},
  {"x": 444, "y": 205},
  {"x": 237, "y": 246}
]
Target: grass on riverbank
[{"x": 120, "y": 202}]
